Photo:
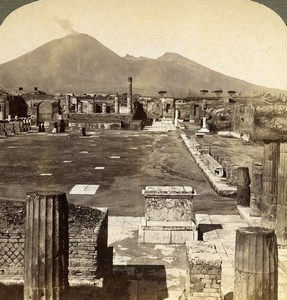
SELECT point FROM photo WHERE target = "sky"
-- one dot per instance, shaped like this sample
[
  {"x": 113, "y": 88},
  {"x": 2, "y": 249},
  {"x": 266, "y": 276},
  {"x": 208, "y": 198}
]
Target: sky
[{"x": 240, "y": 38}]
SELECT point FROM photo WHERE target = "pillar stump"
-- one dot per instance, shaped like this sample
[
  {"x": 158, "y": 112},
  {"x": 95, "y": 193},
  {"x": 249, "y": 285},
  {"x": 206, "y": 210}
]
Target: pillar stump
[
  {"x": 281, "y": 224},
  {"x": 256, "y": 264},
  {"x": 270, "y": 183},
  {"x": 243, "y": 186},
  {"x": 46, "y": 246}
]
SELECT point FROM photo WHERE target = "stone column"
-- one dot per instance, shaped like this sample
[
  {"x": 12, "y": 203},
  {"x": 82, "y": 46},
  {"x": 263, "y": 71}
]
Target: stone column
[
  {"x": 281, "y": 224},
  {"x": 117, "y": 107},
  {"x": 270, "y": 183},
  {"x": 176, "y": 117},
  {"x": 68, "y": 104},
  {"x": 104, "y": 108},
  {"x": 46, "y": 246},
  {"x": 256, "y": 189},
  {"x": 256, "y": 264},
  {"x": 2, "y": 111},
  {"x": 130, "y": 95},
  {"x": 243, "y": 186}
]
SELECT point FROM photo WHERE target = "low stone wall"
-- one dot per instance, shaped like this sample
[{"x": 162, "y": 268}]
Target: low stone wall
[
  {"x": 12, "y": 128},
  {"x": 88, "y": 235},
  {"x": 203, "y": 275},
  {"x": 99, "y": 121}
]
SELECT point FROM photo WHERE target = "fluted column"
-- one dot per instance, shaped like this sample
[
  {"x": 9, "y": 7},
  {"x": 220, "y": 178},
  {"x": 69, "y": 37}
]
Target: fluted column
[
  {"x": 46, "y": 246},
  {"x": 256, "y": 189},
  {"x": 270, "y": 183},
  {"x": 243, "y": 186},
  {"x": 256, "y": 264},
  {"x": 281, "y": 224}
]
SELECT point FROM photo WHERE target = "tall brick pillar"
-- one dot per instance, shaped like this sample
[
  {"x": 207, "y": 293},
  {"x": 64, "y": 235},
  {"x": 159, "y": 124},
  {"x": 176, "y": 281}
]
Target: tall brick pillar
[
  {"x": 130, "y": 95},
  {"x": 46, "y": 246},
  {"x": 256, "y": 264},
  {"x": 270, "y": 183},
  {"x": 281, "y": 224}
]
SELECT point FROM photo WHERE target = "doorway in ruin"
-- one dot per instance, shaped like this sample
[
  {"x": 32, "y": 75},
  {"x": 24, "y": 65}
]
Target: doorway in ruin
[{"x": 44, "y": 112}]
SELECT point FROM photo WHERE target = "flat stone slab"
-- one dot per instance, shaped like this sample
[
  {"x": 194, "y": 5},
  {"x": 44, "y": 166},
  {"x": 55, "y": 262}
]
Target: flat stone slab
[
  {"x": 84, "y": 152},
  {"x": 67, "y": 161},
  {"x": 99, "y": 168},
  {"x": 115, "y": 156},
  {"x": 46, "y": 174},
  {"x": 84, "y": 189},
  {"x": 168, "y": 190}
]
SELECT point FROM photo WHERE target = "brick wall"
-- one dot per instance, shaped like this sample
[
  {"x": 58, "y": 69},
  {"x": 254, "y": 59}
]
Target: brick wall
[
  {"x": 87, "y": 249},
  {"x": 203, "y": 276}
]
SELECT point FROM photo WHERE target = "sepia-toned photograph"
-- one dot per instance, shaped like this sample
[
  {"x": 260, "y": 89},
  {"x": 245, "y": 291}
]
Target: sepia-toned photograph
[{"x": 143, "y": 146}]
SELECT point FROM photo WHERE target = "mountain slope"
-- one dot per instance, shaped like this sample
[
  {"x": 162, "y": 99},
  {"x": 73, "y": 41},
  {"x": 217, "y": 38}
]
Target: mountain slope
[{"x": 79, "y": 63}]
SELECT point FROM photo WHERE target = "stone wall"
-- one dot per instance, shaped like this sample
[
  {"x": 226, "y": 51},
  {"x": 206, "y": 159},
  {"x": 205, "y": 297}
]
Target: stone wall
[
  {"x": 88, "y": 234},
  {"x": 203, "y": 276}
]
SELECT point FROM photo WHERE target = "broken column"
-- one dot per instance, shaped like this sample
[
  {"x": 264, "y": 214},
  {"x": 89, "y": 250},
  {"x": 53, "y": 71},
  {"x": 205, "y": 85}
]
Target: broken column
[
  {"x": 169, "y": 215},
  {"x": 46, "y": 246},
  {"x": 130, "y": 95},
  {"x": 270, "y": 183},
  {"x": 256, "y": 189},
  {"x": 281, "y": 224},
  {"x": 203, "y": 274},
  {"x": 256, "y": 264},
  {"x": 243, "y": 186},
  {"x": 117, "y": 106}
]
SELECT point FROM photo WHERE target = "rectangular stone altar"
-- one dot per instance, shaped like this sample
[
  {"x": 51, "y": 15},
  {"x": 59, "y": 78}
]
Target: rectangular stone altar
[{"x": 169, "y": 216}]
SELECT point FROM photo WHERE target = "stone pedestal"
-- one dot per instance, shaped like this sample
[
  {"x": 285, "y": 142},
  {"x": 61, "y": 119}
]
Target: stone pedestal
[
  {"x": 169, "y": 216},
  {"x": 270, "y": 183},
  {"x": 281, "y": 224},
  {"x": 256, "y": 264},
  {"x": 203, "y": 275},
  {"x": 203, "y": 129},
  {"x": 46, "y": 246}
]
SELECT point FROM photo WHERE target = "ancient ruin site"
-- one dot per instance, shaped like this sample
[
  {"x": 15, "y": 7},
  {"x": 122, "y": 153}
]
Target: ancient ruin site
[
  {"x": 119, "y": 196},
  {"x": 143, "y": 150}
]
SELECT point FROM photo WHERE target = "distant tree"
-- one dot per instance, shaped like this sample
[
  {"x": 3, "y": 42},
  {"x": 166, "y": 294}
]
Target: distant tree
[
  {"x": 162, "y": 93},
  {"x": 203, "y": 92},
  {"x": 218, "y": 93},
  {"x": 231, "y": 93}
]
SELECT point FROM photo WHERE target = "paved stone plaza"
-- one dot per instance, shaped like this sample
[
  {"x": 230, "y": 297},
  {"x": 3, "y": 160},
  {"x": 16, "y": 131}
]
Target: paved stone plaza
[{"x": 110, "y": 169}]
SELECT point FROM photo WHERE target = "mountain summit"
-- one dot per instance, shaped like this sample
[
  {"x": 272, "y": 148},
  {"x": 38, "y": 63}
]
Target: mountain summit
[{"x": 79, "y": 63}]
